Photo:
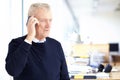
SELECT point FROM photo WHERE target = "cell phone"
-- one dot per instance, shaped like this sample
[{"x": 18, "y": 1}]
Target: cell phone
[{"x": 28, "y": 19}]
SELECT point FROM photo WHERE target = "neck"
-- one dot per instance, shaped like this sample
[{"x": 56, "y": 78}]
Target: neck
[{"x": 40, "y": 38}]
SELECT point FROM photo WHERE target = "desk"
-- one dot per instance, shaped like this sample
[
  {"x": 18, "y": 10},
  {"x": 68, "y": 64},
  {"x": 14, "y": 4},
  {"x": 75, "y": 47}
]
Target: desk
[{"x": 113, "y": 75}]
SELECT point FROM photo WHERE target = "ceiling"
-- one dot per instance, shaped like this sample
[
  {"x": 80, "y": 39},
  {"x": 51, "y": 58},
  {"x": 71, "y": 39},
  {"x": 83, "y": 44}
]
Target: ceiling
[
  {"x": 79, "y": 7},
  {"x": 86, "y": 9}
]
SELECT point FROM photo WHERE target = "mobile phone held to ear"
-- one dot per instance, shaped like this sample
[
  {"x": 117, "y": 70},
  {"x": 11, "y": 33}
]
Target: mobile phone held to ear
[{"x": 28, "y": 19}]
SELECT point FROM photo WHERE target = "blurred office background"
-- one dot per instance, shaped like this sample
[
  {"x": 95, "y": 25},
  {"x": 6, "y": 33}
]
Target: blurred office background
[{"x": 74, "y": 21}]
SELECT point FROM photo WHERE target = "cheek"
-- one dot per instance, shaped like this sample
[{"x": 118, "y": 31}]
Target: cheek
[
  {"x": 40, "y": 27},
  {"x": 39, "y": 30},
  {"x": 42, "y": 24}
]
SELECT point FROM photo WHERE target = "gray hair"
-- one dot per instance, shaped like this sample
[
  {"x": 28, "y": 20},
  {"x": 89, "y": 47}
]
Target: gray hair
[{"x": 36, "y": 6}]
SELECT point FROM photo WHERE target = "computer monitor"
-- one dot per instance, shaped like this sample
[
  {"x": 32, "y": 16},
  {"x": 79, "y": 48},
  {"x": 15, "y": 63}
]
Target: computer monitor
[{"x": 114, "y": 47}]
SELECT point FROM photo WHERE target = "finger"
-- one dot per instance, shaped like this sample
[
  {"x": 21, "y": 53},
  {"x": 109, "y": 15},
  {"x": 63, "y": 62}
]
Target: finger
[{"x": 36, "y": 20}]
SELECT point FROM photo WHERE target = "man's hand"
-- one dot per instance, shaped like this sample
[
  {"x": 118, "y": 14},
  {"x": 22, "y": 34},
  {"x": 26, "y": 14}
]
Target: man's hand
[{"x": 31, "y": 28}]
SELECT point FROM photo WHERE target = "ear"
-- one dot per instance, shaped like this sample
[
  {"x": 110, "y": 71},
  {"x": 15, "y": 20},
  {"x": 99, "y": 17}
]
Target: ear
[
  {"x": 100, "y": 68},
  {"x": 108, "y": 68}
]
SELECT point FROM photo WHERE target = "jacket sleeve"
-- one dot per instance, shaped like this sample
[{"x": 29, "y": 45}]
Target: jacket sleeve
[
  {"x": 17, "y": 57},
  {"x": 64, "y": 75}
]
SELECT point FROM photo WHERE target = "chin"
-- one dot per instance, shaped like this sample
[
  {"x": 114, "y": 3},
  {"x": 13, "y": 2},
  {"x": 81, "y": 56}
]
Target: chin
[{"x": 46, "y": 35}]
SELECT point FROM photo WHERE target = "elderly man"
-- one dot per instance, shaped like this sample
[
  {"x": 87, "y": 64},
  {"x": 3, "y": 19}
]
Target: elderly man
[{"x": 35, "y": 56}]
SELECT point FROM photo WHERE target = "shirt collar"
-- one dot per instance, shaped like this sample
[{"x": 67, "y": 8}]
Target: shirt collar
[{"x": 39, "y": 41}]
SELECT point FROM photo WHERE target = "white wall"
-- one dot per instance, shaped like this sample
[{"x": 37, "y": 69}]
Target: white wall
[
  {"x": 10, "y": 24},
  {"x": 4, "y": 23},
  {"x": 100, "y": 28}
]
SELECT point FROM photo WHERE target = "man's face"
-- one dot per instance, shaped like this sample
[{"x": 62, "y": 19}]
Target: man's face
[{"x": 45, "y": 18}]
